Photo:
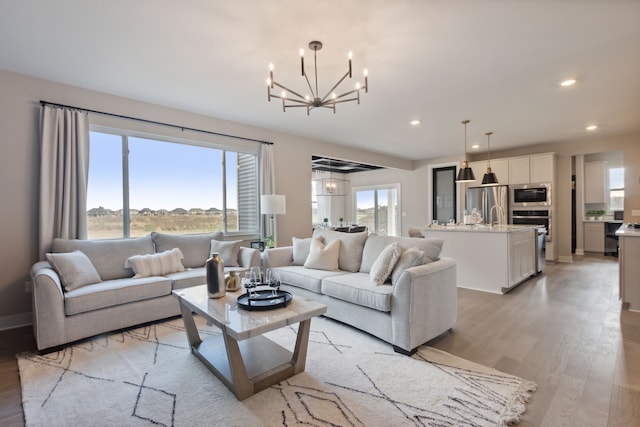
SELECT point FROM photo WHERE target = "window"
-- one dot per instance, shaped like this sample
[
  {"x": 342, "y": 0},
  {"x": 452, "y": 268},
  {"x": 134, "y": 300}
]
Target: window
[
  {"x": 377, "y": 208},
  {"x": 140, "y": 184},
  {"x": 616, "y": 189}
]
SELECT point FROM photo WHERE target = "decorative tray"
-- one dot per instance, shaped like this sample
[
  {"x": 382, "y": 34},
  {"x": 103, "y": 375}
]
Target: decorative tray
[{"x": 264, "y": 300}]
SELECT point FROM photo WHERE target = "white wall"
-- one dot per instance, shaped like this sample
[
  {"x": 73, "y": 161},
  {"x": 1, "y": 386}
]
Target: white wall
[{"x": 19, "y": 169}]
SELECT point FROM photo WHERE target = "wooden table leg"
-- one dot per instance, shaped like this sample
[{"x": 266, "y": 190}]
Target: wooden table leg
[
  {"x": 193, "y": 337},
  {"x": 299, "y": 356}
]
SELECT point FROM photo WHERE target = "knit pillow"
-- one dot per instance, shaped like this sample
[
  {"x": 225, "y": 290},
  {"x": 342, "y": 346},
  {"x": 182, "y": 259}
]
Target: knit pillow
[
  {"x": 156, "y": 264},
  {"x": 383, "y": 265}
]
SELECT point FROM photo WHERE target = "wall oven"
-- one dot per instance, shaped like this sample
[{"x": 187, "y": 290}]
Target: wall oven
[
  {"x": 528, "y": 195},
  {"x": 540, "y": 217}
]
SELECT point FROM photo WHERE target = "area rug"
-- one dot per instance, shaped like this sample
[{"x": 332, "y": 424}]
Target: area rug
[{"x": 148, "y": 377}]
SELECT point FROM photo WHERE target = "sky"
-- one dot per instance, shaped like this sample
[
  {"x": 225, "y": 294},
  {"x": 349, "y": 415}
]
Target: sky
[{"x": 162, "y": 175}]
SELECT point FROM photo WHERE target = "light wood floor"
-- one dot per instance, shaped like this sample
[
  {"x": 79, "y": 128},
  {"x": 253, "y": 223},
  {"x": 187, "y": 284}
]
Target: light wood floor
[{"x": 565, "y": 330}]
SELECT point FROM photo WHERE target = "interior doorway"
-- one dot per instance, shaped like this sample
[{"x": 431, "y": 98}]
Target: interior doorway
[{"x": 444, "y": 194}]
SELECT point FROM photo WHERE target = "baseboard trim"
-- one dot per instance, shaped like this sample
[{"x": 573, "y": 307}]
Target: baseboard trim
[
  {"x": 565, "y": 259},
  {"x": 579, "y": 251},
  {"x": 15, "y": 321}
]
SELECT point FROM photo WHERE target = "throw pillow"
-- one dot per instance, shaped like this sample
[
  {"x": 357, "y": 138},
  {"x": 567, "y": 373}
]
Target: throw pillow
[
  {"x": 351, "y": 246},
  {"x": 409, "y": 258},
  {"x": 75, "y": 269},
  {"x": 323, "y": 257},
  {"x": 300, "y": 250},
  {"x": 228, "y": 251},
  {"x": 156, "y": 264},
  {"x": 383, "y": 265}
]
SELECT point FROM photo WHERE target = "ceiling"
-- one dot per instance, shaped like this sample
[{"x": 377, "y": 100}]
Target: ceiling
[{"x": 495, "y": 62}]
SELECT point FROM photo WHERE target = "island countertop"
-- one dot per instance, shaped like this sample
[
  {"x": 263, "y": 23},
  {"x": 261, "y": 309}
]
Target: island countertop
[
  {"x": 483, "y": 228},
  {"x": 626, "y": 230}
]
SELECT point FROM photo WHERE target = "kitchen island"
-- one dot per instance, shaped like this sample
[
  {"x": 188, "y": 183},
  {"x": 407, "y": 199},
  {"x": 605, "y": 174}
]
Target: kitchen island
[
  {"x": 489, "y": 258},
  {"x": 629, "y": 268}
]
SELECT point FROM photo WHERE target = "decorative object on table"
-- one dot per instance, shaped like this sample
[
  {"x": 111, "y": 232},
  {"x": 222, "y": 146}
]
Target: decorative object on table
[
  {"x": 272, "y": 204},
  {"x": 489, "y": 178},
  {"x": 315, "y": 101},
  {"x": 214, "y": 268},
  {"x": 264, "y": 299},
  {"x": 341, "y": 221},
  {"x": 350, "y": 378},
  {"x": 465, "y": 174},
  {"x": 325, "y": 221},
  {"x": 232, "y": 282},
  {"x": 258, "y": 245}
]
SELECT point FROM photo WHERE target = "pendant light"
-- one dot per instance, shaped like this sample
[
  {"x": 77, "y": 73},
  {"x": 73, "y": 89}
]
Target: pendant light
[
  {"x": 489, "y": 178},
  {"x": 465, "y": 174}
]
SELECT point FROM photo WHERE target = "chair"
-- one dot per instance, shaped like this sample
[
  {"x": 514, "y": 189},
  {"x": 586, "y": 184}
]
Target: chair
[
  {"x": 343, "y": 229},
  {"x": 357, "y": 228},
  {"x": 415, "y": 232}
]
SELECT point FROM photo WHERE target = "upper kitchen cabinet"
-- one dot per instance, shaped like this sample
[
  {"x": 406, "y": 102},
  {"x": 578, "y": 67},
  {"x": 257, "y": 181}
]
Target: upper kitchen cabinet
[
  {"x": 532, "y": 169},
  {"x": 594, "y": 182}
]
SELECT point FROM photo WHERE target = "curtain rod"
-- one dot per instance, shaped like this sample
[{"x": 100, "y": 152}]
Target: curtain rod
[{"x": 153, "y": 122}]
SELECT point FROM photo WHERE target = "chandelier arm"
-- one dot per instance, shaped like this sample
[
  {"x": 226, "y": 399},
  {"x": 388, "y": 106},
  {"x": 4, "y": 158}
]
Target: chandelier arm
[
  {"x": 348, "y": 93},
  {"x": 340, "y": 101},
  {"x": 313, "y": 95},
  {"x": 287, "y": 89},
  {"x": 335, "y": 86}
]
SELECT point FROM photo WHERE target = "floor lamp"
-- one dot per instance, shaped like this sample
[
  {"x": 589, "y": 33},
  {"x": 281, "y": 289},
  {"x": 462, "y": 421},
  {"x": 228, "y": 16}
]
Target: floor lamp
[{"x": 273, "y": 204}]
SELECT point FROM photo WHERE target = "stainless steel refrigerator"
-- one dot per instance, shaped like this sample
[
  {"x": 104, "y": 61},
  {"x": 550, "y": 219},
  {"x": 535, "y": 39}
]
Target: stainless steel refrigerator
[{"x": 491, "y": 202}]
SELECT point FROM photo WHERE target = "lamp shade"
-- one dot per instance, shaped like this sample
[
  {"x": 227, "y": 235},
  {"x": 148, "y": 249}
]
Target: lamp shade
[
  {"x": 465, "y": 174},
  {"x": 489, "y": 178},
  {"x": 273, "y": 204}
]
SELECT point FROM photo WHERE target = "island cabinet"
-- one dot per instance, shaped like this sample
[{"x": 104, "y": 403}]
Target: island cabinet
[
  {"x": 629, "y": 267},
  {"x": 491, "y": 259}
]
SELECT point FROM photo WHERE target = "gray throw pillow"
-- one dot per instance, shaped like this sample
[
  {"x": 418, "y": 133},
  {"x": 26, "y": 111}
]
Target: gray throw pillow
[
  {"x": 228, "y": 251},
  {"x": 74, "y": 268},
  {"x": 409, "y": 258},
  {"x": 350, "y": 247},
  {"x": 383, "y": 265}
]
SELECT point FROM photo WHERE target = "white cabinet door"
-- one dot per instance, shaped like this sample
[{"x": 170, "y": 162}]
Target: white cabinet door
[
  {"x": 501, "y": 168},
  {"x": 519, "y": 170},
  {"x": 522, "y": 256},
  {"x": 594, "y": 182},
  {"x": 541, "y": 168},
  {"x": 594, "y": 237}
]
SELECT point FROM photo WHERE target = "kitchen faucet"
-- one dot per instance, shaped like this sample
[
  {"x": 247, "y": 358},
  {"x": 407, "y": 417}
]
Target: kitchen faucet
[{"x": 500, "y": 216}]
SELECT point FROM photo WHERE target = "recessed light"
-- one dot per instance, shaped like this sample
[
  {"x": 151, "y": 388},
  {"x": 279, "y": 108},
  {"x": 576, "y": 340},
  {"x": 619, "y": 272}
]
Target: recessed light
[
  {"x": 415, "y": 122},
  {"x": 592, "y": 127},
  {"x": 568, "y": 82},
  {"x": 475, "y": 146}
]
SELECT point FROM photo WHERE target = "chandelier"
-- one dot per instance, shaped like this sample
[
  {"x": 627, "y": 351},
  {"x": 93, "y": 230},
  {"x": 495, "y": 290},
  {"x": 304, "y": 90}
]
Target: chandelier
[{"x": 291, "y": 98}]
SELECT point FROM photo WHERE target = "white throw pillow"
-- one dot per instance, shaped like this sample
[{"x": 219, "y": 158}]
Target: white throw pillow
[
  {"x": 156, "y": 264},
  {"x": 74, "y": 268},
  {"x": 228, "y": 251},
  {"x": 383, "y": 265},
  {"x": 409, "y": 258},
  {"x": 323, "y": 257},
  {"x": 301, "y": 250}
]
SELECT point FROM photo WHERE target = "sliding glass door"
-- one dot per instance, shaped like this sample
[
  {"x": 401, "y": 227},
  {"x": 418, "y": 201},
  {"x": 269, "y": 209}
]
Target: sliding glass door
[{"x": 377, "y": 208}]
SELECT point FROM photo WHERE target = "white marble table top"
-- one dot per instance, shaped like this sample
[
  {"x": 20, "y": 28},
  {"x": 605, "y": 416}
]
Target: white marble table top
[{"x": 240, "y": 323}]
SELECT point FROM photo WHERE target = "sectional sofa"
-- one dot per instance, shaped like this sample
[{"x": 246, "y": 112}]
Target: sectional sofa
[
  {"x": 395, "y": 288},
  {"x": 88, "y": 287}
]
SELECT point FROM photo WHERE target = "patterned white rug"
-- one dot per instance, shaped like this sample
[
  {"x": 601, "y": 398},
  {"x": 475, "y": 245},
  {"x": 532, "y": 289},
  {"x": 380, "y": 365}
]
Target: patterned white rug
[{"x": 148, "y": 376}]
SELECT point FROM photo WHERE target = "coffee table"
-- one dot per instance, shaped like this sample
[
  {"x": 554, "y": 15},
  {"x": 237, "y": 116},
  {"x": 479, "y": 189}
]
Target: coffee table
[{"x": 244, "y": 360}]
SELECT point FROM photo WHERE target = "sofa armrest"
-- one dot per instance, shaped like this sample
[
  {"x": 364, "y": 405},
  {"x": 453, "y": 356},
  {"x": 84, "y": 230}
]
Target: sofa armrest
[
  {"x": 248, "y": 257},
  {"x": 47, "y": 305},
  {"x": 424, "y": 303},
  {"x": 278, "y": 257}
]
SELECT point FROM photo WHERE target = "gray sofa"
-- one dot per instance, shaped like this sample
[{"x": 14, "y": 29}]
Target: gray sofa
[
  {"x": 417, "y": 305},
  {"x": 71, "y": 303}
]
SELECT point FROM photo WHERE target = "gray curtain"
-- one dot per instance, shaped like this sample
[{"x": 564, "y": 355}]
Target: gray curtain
[{"x": 64, "y": 169}]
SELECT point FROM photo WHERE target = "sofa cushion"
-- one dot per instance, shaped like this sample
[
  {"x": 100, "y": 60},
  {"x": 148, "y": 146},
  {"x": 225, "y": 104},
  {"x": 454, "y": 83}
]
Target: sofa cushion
[
  {"x": 109, "y": 255},
  {"x": 187, "y": 278},
  {"x": 74, "y": 268},
  {"x": 357, "y": 288},
  {"x": 375, "y": 243},
  {"x": 156, "y": 264},
  {"x": 323, "y": 257},
  {"x": 194, "y": 247},
  {"x": 409, "y": 258},
  {"x": 228, "y": 251},
  {"x": 305, "y": 278},
  {"x": 115, "y": 292},
  {"x": 383, "y": 265},
  {"x": 300, "y": 250},
  {"x": 350, "y": 248}
]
